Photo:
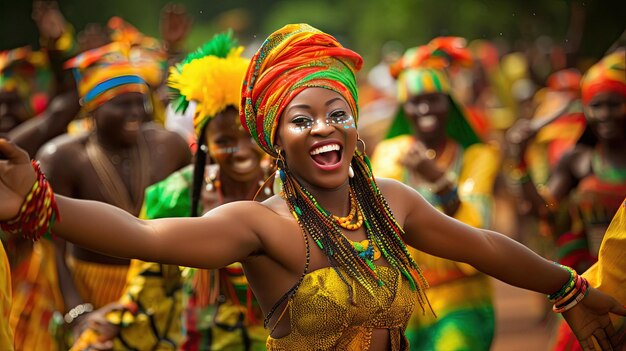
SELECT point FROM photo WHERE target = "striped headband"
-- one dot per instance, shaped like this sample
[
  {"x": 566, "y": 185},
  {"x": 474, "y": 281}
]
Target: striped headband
[
  {"x": 290, "y": 60},
  {"x": 108, "y": 71}
]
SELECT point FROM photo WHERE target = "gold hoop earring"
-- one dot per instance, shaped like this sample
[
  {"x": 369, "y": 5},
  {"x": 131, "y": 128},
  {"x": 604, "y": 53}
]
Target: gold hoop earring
[
  {"x": 362, "y": 142},
  {"x": 280, "y": 159}
]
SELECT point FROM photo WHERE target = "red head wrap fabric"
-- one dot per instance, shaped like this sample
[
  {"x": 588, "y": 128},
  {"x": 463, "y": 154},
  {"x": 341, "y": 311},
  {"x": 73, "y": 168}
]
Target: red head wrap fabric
[
  {"x": 290, "y": 60},
  {"x": 608, "y": 75}
]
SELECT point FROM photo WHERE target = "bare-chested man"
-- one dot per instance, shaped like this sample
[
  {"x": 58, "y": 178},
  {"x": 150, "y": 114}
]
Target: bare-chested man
[{"x": 114, "y": 164}]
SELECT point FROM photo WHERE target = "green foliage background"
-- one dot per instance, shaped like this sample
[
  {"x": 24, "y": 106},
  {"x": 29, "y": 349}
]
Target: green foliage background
[{"x": 363, "y": 25}]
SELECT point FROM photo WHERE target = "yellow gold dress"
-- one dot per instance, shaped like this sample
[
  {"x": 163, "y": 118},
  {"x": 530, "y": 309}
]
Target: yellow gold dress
[{"x": 323, "y": 318}]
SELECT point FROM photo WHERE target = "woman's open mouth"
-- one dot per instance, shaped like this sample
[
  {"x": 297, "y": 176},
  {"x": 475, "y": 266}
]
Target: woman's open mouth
[
  {"x": 327, "y": 157},
  {"x": 245, "y": 166}
]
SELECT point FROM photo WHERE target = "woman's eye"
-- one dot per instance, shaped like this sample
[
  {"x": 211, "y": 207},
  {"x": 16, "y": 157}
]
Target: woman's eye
[
  {"x": 223, "y": 142},
  {"x": 338, "y": 117},
  {"x": 302, "y": 121}
]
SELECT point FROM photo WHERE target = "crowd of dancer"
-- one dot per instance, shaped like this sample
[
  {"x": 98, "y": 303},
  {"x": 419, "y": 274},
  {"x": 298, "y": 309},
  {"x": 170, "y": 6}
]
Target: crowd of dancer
[{"x": 298, "y": 240}]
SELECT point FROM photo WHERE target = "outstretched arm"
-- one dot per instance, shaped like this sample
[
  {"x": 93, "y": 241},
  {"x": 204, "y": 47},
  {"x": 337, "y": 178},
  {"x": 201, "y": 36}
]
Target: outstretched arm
[
  {"x": 503, "y": 258},
  {"x": 223, "y": 236},
  {"x": 430, "y": 231}
]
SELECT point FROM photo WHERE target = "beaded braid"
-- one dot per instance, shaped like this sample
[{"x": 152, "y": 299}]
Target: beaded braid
[
  {"x": 198, "y": 170},
  {"x": 327, "y": 235},
  {"x": 382, "y": 227}
]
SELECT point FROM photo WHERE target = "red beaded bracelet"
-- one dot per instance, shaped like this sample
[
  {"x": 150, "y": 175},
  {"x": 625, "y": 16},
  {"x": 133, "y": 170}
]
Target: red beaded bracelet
[{"x": 37, "y": 213}]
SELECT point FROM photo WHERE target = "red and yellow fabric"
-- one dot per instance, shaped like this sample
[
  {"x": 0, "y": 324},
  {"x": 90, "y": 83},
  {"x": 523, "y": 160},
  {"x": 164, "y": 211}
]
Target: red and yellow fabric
[
  {"x": 608, "y": 75},
  {"x": 292, "y": 59},
  {"x": 149, "y": 317},
  {"x": 36, "y": 300},
  {"x": 608, "y": 275},
  {"x": 560, "y": 134},
  {"x": 6, "y": 335},
  {"x": 98, "y": 283},
  {"x": 108, "y": 71},
  {"x": 25, "y": 72}
]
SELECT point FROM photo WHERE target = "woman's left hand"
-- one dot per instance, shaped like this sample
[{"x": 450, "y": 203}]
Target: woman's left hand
[{"x": 590, "y": 321}]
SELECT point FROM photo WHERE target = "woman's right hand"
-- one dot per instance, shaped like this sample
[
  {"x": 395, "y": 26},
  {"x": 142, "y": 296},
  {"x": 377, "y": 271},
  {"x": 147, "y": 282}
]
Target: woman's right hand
[{"x": 16, "y": 178}]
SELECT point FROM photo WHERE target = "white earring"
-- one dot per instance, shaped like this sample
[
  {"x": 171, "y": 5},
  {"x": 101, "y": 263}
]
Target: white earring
[
  {"x": 277, "y": 187},
  {"x": 350, "y": 172}
]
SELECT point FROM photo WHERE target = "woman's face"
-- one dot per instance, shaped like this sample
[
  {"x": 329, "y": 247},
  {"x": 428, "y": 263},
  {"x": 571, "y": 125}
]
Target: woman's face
[
  {"x": 232, "y": 148},
  {"x": 119, "y": 119},
  {"x": 606, "y": 115},
  {"x": 428, "y": 114},
  {"x": 317, "y": 132}
]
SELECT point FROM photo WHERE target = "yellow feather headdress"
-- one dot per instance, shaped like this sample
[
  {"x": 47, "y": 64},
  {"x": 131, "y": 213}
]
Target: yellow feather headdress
[{"x": 211, "y": 76}]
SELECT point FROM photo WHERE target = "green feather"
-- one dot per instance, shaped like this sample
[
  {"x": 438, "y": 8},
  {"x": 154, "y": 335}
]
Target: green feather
[{"x": 220, "y": 46}]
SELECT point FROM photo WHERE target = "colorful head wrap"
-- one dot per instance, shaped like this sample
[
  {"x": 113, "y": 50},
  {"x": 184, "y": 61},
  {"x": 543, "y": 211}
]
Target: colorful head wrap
[
  {"x": 566, "y": 80},
  {"x": 290, "y": 60},
  {"x": 124, "y": 32},
  {"x": 108, "y": 71},
  {"x": 22, "y": 70},
  {"x": 608, "y": 75},
  {"x": 211, "y": 76},
  {"x": 423, "y": 70}
]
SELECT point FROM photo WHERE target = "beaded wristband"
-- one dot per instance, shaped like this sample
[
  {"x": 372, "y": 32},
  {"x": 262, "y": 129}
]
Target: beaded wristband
[
  {"x": 567, "y": 286},
  {"x": 37, "y": 213},
  {"x": 571, "y": 294},
  {"x": 582, "y": 293}
]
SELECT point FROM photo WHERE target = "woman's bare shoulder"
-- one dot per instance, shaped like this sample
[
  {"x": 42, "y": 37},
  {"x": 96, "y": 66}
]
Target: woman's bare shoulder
[{"x": 394, "y": 188}]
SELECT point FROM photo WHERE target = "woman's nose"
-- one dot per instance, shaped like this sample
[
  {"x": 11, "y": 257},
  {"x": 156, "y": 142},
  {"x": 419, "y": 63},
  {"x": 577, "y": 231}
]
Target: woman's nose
[{"x": 321, "y": 127}]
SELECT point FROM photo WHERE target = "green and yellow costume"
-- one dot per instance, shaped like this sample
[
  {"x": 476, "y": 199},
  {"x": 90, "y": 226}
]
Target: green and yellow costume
[{"x": 460, "y": 296}]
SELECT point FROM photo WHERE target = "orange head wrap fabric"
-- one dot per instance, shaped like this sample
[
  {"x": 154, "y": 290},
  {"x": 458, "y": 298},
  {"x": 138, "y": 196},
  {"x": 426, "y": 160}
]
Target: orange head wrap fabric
[
  {"x": 108, "y": 71},
  {"x": 290, "y": 60},
  {"x": 608, "y": 75}
]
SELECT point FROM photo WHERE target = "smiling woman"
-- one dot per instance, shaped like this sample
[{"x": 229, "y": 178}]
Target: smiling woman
[{"x": 327, "y": 258}]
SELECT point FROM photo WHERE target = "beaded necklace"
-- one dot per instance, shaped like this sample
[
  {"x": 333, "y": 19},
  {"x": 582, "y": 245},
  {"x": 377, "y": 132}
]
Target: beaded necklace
[
  {"x": 382, "y": 230},
  {"x": 347, "y": 221}
]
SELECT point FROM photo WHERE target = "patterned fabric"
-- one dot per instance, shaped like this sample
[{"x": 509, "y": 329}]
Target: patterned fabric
[
  {"x": 423, "y": 70},
  {"x": 98, "y": 283},
  {"x": 226, "y": 324},
  {"x": 290, "y": 60},
  {"x": 36, "y": 301},
  {"x": 6, "y": 335},
  {"x": 150, "y": 317},
  {"x": 108, "y": 71},
  {"x": 321, "y": 315},
  {"x": 608, "y": 75}
]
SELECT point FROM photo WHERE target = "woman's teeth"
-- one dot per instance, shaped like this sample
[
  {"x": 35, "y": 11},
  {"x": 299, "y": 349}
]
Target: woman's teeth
[{"x": 325, "y": 148}]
